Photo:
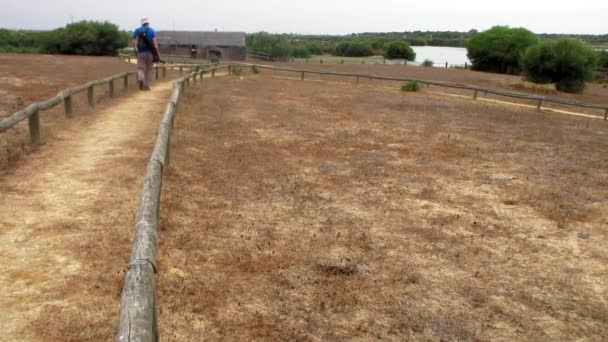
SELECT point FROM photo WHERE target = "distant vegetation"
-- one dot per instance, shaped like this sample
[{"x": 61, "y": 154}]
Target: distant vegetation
[
  {"x": 80, "y": 38},
  {"x": 354, "y": 48}
]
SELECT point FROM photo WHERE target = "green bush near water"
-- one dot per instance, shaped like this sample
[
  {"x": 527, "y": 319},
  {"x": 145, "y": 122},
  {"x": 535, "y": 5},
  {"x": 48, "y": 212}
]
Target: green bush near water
[
  {"x": 399, "y": 50},
  {"x": 427, "y": 63}
]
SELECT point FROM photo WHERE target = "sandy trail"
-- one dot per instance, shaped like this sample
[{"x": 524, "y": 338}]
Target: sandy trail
[{"x": 49, "y": 205}]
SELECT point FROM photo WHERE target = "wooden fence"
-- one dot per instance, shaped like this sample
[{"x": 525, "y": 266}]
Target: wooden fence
[
  {"x": 32, "y": 112},
  {"x": 65, "y": 96},
  {"x": 138, "y": 314},
  {"x": 475, "y": 89}
]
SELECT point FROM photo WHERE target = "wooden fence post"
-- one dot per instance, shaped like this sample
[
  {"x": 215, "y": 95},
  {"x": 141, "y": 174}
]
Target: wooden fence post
[
  {"x": 539, "y": 105},
  {"x": 181, "y": 70},
  {"x": 475, "y": 95},
  {"x": 321, "y": 61},
  {"x": 446, "y": 64},
  {"x": 34, "y": 124},
  {"x": 67, "y": 106},
  {"x": 213, "y": 73},
  {"x": 302, "y": 76},
  {"x": 111, "y": 84},
  {"x": 90, "y": 96},
  {"x": 164, "y": 71},
  {"x": 606, "y": 114},
  {"x": 125, "y": 82},
  {"x": 156, "y": 69}
]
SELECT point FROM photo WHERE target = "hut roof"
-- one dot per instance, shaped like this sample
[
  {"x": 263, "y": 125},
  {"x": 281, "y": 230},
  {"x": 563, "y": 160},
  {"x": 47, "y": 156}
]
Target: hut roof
[{"x": 201, "y": 38}]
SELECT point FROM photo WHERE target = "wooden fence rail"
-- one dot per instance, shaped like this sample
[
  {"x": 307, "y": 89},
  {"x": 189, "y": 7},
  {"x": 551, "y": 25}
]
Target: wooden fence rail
[
  {"x": 138, "y": 315},
  {"x": 475, "y": 89},
  {"x": 65, "y": 96},
  {"x": 32, "y": 112}
]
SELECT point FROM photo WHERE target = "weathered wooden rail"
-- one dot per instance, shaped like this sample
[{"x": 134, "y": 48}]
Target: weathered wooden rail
[
  {"x": 475, "y": 89},
  {"x": 65, "y": 96},
  {"x": 32, "y": 112},
  {"x": 138, "y": 315}
]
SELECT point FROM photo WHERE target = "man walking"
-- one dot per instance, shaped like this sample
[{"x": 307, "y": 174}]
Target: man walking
[{"x": 145, "y": 44}]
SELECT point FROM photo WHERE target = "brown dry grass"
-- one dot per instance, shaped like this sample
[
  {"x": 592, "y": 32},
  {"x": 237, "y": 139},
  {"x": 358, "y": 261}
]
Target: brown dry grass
[{"x": 301, "y": 211}]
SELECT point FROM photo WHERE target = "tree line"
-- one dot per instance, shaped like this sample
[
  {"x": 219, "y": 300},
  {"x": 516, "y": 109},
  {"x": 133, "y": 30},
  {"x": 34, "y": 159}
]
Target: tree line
[{"x": 80, "y": 38}]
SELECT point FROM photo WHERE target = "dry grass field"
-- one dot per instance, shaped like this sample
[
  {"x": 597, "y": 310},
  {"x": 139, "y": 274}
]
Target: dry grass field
[{"x": 313, "y": 212}]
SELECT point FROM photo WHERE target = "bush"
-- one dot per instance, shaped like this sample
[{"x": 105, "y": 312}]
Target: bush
[
  {"x": 500, "y": 49},
  {"x": 398, "y": 50},
  {"x": 299, "y": 52},
  {"x": 353, "y": 49},
  {"x": 411, "y": 86},
  {"x": 566, "y": 62},
  {"x": 314, "y": 49},
  {"x": 87, "y": 38},
  {"x": 237, "y": 71},
  {"x": 428, "y": 63},
  {"x": 602, "y": 59}
]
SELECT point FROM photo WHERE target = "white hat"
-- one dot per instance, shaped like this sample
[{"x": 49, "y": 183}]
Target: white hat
[{"x": 145, "y": 20}]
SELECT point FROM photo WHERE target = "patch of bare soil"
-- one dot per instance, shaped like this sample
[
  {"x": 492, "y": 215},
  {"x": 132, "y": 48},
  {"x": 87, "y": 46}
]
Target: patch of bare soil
[
  {"x": 66, "y": 223},
  {"x": 303, "y": 211}
]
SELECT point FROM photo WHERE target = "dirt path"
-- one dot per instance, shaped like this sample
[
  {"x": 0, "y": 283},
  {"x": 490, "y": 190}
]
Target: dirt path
[{"x": 51, "y": 212}]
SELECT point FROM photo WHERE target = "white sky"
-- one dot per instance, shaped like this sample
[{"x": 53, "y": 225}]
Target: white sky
[{"x": 315, "y": 16}]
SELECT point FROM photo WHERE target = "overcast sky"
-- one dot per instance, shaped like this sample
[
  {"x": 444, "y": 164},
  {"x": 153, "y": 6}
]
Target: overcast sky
[{"x": 315, "y": 16}]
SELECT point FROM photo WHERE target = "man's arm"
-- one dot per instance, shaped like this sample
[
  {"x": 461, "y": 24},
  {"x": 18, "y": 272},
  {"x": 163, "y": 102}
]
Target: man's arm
[
  {"x": 135, "y": 46},
  {"x": 155, "y": 44}
]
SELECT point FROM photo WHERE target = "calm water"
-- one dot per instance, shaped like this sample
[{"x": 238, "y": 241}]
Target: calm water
[{"x": 440, "y": 54}]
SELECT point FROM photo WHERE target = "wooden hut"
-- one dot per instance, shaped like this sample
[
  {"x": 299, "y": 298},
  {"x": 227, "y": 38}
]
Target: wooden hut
[{"x": 203, "y": 45}]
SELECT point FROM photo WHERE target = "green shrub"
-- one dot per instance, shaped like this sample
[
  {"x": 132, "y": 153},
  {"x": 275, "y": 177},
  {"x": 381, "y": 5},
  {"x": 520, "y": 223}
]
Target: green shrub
[
  {"x": 255, "y": 69},
  {"x": 398, "y": 50},
  {"x": 500, "y": 49},
  {"x": 602, "y": 59},
  {"x": 237, "y": 71},
  {"x": 411, "y": 86},
  {"x": 566, "y": 62},
  {"x": 86, "y": 38},
  {"x": 353, "y": 49},
  {"x": 299, "y": 52},
  {"x": 427, "y": 63}
]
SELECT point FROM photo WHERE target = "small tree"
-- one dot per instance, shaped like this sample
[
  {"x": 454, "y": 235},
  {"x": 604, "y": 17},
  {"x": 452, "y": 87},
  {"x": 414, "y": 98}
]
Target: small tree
[
  {"x": 567, "y": 62},
  {"x": 398, "y": 50},
  {"x": 500, "y": 49},
  {"x": 299, "y": 52}
]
